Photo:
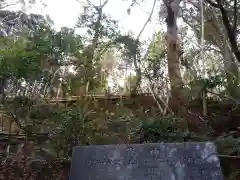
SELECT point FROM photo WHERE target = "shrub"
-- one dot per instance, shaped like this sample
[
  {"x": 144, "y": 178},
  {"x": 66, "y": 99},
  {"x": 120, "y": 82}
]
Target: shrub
[
  {"x": 160, "y": 129},
  {"x": 19, "y": 167}
]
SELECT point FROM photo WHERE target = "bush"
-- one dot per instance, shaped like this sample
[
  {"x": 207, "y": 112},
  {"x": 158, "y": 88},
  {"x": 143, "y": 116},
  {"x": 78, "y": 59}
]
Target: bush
[
  {"x": 161, "y": 129},
  {"x": 19, "y": 167}
]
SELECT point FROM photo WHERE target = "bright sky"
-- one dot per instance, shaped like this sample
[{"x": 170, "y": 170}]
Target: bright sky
[{"x": 65, "y": 13}]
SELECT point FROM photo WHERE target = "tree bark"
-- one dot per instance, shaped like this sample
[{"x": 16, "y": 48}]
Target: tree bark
[
  {"x": 176, "y": 82},
  {"x": 230, "y": 29},
  {"x": 231, "y": 70},
  {"x": 3, "y": 82}
]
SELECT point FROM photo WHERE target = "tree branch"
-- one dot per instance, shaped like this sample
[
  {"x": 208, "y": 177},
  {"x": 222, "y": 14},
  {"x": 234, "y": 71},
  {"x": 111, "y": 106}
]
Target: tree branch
[
  {"x": 148, "y": 20},
  {"x": 230, "y": 32},
  {"x": 235, "y": 18},
  {"x": 215, "y": 5},
  {"x": 135, "y": 59},
  {"x": 12, "y": 4},
  {"x": 104, "y": 4}
]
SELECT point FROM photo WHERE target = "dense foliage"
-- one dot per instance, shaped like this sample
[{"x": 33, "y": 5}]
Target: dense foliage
[{"x": 193, "y": 96}]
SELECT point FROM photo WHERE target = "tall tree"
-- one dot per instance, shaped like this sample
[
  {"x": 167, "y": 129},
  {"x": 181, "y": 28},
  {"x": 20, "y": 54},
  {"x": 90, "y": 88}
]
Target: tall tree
[
  {"x": 35, "y": 53},
  {"x": 229, "y": 14},
  {"x": 100, "y": 30},
  {"x": 173, "y": 51},
  {"x": 216, "y": 38}
]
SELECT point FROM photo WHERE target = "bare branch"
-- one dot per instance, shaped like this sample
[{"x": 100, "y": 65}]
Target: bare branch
[
  {"x": 148, "y": 20},
  {"x": 215, "y": 5},
  {"x": 101, "y": 6},
  {"x": 104, "y": 4},
  {"x": 231, "y": 36},
  {"x": 235, "y": 18},
  {"x": 135, "y": 59},
  {"x": 12, "y": 4}
]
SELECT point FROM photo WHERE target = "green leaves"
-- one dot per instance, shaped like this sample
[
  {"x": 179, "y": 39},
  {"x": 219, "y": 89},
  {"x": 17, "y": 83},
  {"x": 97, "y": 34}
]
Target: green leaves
[
  {"x": 200, "y": 85},
  {"x": 73, "y": 127},
  {"x": 15, "y": 60},
  {"x": 162, "y": 129},
  {"x": 131, "y": 44},
  {"x": 229, "y": 144},
  {"x": 35, "y": 58}
]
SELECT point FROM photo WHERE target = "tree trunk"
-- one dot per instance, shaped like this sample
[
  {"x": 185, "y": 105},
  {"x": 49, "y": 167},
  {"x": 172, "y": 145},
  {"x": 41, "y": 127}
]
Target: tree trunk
[
  {"x": 231, "y": 69},
  {"x": 230, "y": 28},
  {"x": 176, "y": 82},
  {"x": 3, "y": 82}
]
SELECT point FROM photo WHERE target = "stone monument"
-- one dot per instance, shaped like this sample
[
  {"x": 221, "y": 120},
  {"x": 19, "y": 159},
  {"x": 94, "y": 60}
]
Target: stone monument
[{"x": 154, "y": 161}]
